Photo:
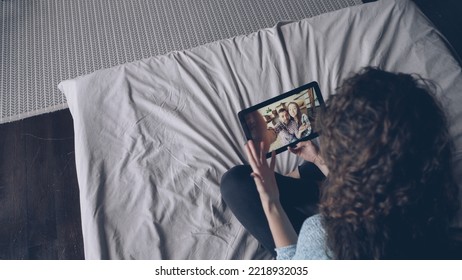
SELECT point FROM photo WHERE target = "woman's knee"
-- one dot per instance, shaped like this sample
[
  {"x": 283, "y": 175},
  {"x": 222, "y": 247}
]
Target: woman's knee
[{"x": 235, "y": 179}]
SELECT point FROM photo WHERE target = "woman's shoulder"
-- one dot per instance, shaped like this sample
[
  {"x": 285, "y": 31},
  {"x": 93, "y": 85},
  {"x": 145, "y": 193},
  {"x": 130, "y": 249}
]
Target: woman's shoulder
[
  {"x": 312, "y": 240},
  {"x": 313, "y": 223}
]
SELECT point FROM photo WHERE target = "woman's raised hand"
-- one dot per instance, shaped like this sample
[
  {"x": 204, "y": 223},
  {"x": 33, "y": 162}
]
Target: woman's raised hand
[{"x": 263, "y": 173}]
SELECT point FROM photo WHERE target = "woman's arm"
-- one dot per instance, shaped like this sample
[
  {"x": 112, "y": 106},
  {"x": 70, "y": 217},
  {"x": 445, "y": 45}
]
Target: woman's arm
[
  {"x": 309, "y": 152},
  {"x": 305, "y": 119},
  {"x": 281, "y": 229}
]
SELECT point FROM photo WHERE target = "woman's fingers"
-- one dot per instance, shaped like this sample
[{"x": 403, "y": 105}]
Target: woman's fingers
[
  {"x": 257, "y": 176},
  {"x": 273, "y": 160},
  {"x": 254, "y": 151},
  {"x": 254, "y": 155},
  {"x": 262, "y": 151},
  {"x": 295, "y": 150},
  {"x": 250, "y": 154}
]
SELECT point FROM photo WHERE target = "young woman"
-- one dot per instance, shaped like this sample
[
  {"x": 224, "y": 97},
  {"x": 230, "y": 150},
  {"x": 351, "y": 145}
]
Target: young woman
[
  {"x": 389, "y": 191},
  {"x": 303, "y": 123}
]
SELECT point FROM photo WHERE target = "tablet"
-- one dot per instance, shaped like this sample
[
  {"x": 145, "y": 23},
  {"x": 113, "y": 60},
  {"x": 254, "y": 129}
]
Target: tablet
[{"x": 284, "y": 120}]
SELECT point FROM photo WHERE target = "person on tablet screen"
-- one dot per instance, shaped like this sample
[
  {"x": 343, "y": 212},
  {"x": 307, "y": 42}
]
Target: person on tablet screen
[
  {"x": 303, "y": 123},
  {"x": 258, "y": 129},
  {"x": 385, "y": 167},
  {"x": 286, "y": 128}
]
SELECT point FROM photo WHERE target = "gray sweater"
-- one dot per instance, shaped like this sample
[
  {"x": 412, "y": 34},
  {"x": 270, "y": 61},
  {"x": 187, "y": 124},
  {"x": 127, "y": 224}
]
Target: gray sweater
[{"x": 311, "y": 244}]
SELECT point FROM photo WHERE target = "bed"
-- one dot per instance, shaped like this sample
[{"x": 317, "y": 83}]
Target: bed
[{"x": 153, "y": 137}]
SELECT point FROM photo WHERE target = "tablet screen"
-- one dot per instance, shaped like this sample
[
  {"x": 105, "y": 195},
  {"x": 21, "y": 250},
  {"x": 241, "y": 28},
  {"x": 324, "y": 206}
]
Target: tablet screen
[{"x": 284, "y": 120}]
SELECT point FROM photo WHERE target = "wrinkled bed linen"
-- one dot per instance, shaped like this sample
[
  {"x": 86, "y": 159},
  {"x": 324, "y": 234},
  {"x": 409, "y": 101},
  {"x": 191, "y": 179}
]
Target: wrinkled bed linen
[{"x": 153, "y": 137}]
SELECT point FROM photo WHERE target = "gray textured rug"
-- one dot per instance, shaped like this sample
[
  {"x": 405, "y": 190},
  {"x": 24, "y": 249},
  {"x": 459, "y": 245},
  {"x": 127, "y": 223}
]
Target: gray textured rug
[{"x": 45, "y": 42}]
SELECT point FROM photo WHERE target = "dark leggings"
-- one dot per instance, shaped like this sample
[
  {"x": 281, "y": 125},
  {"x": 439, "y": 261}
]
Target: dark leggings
[{"x": 299, "y": 198}]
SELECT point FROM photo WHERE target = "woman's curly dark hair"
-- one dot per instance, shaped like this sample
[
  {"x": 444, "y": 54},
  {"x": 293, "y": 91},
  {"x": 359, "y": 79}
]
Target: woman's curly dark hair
[{"x": 390, "y": 193}]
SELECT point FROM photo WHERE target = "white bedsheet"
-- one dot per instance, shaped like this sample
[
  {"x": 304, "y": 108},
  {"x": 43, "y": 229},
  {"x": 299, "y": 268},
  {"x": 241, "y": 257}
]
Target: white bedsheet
[{"x": 153, "y": 137}]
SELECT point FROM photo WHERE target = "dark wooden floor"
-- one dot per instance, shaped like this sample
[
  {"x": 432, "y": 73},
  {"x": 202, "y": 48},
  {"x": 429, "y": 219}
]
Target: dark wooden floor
[{"x": 39, "y": 198}]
